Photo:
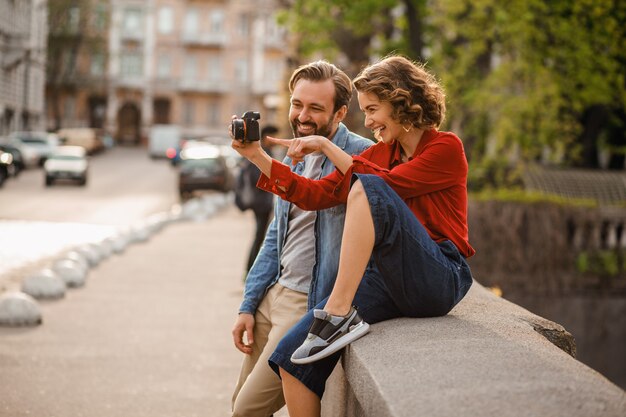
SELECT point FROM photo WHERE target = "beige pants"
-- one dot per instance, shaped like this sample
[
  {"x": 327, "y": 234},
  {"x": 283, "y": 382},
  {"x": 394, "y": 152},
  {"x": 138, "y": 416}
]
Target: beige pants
[{"x": 259, "y": 391}]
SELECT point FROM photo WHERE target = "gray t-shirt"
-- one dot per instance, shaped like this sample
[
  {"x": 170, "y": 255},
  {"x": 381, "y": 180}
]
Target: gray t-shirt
[{"x": 298, "y": 255}]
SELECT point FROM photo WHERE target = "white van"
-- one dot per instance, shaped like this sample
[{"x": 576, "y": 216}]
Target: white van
[{"x": 162, "y": 138}]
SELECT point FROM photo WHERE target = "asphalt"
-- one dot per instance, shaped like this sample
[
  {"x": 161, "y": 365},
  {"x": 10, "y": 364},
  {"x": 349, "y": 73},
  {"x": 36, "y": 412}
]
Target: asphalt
[{"x": 148, "y": 335}]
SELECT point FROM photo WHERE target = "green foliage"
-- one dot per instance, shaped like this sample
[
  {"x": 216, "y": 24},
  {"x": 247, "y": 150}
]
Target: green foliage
[
  {"x": 519, "y": 75},
  {"x": 318, "y": 21},
  {"x": 519, "y": 195},
  {"x": 604, "y": 263}
]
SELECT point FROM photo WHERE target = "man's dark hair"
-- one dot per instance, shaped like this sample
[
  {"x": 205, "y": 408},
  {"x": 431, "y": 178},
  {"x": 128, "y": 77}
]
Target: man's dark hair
[{"x": 321, "y": 71}]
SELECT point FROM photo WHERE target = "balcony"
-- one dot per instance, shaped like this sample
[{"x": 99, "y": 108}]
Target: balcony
[
  {"x": 263, "y": 87},
  {"x": 204, "y": 86},
  {"x": 165, "y": 84},
  {"x": 274, "y": 42},
  {"x": 204, "y": 39},
  {"x": 131, "y": 36},
  {"x": 131, "y": 81}
]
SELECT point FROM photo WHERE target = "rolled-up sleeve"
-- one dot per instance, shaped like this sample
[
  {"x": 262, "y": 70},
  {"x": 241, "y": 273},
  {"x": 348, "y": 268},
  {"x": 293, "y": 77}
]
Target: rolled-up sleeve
[{"x": 306, "y": 193}]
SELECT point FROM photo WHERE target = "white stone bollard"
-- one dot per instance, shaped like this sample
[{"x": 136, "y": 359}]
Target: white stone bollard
[
  {"x": 120, "y": 242},
  {"x": 140, "y": 233},
  {"x": 19, "y": 309},
  {"x": 78, "y": 257},
  {"x": 88, "y": 252},
  {"x": 44, "y": 284},
  {"x": 106, "y": 247},
  {"x": 71, "y": 272}
]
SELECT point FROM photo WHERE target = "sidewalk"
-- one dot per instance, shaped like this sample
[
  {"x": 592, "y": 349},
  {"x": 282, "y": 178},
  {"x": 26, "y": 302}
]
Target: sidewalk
[{"x": 149, "y": 334}]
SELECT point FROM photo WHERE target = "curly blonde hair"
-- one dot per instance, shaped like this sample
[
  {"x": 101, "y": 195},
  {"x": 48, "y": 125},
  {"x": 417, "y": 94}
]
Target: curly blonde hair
[{"x": 414, "y": 93}]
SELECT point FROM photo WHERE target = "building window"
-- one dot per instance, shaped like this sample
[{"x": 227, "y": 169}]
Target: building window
[
  {"x": 188, "y": 109},
  {"x": 100, "y": 17},
  {"x": 215, "y": 68},
  {"x": 162, "y": 111},
  {"x": 241, "y": 70},
  {"x": 131, "y": 65},
  {"x": 217, "y": 21},
  {"x": 214, "y": 118},
  {"x": 132, "y": 22},
  {"x": 275, "y": 68},
  {"x": 166, "y": 20},
  {"x": 243, "y": 25},
  {"x": 73, "y": 19},
  {"x": 164, "y": 66},
  {"x": 272, "y": 30},
  {"x": 97, "y": 64},
  {"x": 191, "y": 22},
  {"x": 190, "y": 68}
]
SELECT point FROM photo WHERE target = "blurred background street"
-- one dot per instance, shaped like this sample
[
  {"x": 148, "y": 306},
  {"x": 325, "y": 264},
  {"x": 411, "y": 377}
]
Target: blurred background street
[
  {"x": 37, "y": 221},
  {"x": 114, "y": 110}
]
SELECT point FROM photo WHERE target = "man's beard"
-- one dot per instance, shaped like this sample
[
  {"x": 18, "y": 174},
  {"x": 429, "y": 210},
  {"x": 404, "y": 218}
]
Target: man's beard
[{"x": 321, "y": 130}]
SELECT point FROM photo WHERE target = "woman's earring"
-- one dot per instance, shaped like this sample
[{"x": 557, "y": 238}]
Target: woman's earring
[{"x": 407, "y": 130}]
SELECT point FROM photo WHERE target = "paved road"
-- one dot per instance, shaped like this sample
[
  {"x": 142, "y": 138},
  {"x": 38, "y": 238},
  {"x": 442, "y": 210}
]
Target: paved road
[{"x": 149, "y": 335}]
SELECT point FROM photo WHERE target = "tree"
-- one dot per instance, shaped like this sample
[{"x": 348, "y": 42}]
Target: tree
[{"x": 527, "y": 80}]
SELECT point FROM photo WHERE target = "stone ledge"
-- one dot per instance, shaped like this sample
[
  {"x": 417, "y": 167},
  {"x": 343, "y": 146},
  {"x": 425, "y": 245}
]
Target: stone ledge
[{"x": 488, "y": 357}]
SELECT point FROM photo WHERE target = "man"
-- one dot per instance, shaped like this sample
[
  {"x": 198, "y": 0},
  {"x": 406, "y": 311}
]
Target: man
[{"x": 298, "y": 261}]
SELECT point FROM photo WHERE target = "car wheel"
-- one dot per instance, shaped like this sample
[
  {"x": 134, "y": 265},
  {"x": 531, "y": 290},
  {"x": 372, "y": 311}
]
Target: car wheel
[
  {"x": 49, "y": 181},
  {"x": 82, "y": 182},
  {"x": 3, "y": 176}
]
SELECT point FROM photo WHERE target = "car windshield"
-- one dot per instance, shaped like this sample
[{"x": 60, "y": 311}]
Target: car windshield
[
  {"x": 33, "y": 141},
  {"x": 66, "y": 157},
  {"x": 211, "y": 163}
]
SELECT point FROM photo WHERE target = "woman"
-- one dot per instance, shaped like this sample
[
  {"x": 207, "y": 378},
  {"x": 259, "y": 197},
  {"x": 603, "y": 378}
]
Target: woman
[{"x": 405, "y": 237}]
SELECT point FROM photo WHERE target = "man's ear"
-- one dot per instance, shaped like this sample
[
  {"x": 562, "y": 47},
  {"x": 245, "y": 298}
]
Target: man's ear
[{"x": 341, "y": 113}]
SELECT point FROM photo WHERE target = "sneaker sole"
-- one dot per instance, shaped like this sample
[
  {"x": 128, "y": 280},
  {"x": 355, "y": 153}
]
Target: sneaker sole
[{"x": 360, "y": 330}]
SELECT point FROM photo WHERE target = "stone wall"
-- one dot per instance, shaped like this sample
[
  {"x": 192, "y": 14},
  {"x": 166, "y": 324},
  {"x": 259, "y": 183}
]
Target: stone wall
[
  {"x": 546, "y": 248},
  {"x": 488, "y": 357}
]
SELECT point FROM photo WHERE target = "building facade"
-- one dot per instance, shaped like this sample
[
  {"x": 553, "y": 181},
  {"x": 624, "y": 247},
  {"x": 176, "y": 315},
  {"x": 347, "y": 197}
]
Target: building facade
[
  {"x": 193, "y": 63},
  {"x": 23, "y": 36}
]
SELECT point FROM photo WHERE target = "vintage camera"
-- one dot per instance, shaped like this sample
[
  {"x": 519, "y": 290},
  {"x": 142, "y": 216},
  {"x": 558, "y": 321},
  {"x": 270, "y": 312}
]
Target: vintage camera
[{"x": 247, "y": 128}]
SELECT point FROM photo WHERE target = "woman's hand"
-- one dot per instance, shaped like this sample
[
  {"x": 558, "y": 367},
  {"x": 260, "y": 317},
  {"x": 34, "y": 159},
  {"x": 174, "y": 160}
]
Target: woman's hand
[{"x": 299, "y": 147}]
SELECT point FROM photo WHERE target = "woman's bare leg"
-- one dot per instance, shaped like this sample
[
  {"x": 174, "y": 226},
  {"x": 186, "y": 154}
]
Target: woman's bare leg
[
  {"x": 301, "y": 401},
  {"x": 356, "y": 249}
]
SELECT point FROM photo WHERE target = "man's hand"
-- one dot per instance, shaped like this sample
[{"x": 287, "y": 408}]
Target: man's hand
[
  {"x": 299, "y": 147},
  {"x": 244, "y": 324}
]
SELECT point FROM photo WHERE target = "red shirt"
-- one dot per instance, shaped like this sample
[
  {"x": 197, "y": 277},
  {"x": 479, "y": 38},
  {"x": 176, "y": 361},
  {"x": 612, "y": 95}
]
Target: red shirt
[{"x": 433, "y": 184}]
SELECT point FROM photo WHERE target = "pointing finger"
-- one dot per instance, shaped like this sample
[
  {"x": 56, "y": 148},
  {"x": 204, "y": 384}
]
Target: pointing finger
[{"x": 282, "y": 142}]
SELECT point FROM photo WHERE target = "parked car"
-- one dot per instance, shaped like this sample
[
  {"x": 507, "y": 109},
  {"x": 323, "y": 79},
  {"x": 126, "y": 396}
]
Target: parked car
[
  {"x": 203, "y": 168},
  {"x": 18, "y": 162},
  {"x": 35, "y": 146},
  {"x": 84, "y": 137},
  {"x": 67, "y": 163}
]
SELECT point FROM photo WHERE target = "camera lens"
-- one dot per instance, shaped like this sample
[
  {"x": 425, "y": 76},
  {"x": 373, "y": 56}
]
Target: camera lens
[{"x": 238, "y": 128}]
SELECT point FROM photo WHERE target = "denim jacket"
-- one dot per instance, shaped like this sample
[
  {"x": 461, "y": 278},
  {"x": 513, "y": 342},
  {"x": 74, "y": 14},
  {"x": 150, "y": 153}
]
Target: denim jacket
[{"x": 328, "y": 230}]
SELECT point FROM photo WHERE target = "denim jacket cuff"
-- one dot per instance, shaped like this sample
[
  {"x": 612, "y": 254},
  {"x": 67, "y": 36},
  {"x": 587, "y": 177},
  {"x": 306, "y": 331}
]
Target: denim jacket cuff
[{"x": 247, "y": 306}]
